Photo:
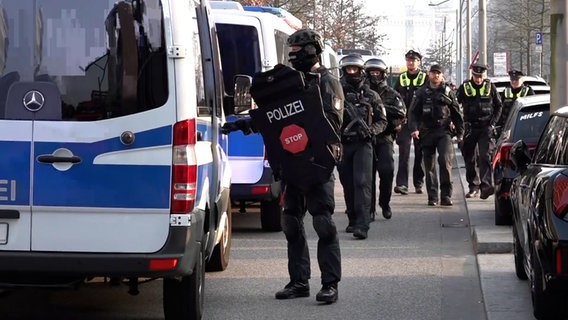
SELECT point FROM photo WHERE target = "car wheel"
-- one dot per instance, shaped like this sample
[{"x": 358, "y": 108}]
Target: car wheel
[
  {"x": 270, "y": 213},
  {"x": 183, "y": 298},
  {"x": 220, "y": 257},
  {"x": 503, "y": 212},
  {"x": 546, "y": 305},
  {"x": 519, "y": 257}
]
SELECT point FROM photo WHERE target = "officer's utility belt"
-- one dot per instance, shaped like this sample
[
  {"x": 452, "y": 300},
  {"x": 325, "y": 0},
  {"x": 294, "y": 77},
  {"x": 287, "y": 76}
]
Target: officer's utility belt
[
  {"x": 478, "y": 124},
  {"x": 351, "y": 137}
]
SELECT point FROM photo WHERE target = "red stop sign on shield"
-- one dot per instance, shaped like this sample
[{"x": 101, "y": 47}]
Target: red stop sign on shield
[{"x": 294, "y": 138}]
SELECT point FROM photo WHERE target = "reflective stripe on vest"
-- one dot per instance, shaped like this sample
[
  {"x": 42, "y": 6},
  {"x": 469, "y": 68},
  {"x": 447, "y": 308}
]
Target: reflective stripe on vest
[
  {"x": 510, "y": 95},
  {"x": 417, "y": 82},
  {"x": 470, "y": 91}
]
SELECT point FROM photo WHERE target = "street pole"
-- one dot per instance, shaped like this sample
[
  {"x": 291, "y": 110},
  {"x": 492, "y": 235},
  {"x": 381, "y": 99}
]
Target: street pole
[
  {"x": 459, "y": 65},
  {"x": 468, "y": 27},
  {"x": 559, "y": 56},
  {"x": 483, "y": 31}
]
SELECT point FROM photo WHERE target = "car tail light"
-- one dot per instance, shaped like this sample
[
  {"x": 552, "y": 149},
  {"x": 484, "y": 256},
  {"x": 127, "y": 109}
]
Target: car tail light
[
  {"x": 560, "y": 195},
  {"x": 260, "y": 190},
  {"x": 184, "y": 172},
  {"x": 162, "y": 264},
  {"x": 558, "y": 257},
  {"x": 503, "y": 155}
]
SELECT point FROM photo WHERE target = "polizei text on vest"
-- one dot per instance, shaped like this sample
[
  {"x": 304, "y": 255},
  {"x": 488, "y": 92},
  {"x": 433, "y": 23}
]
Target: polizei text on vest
[{"x": 285, "y": 111}]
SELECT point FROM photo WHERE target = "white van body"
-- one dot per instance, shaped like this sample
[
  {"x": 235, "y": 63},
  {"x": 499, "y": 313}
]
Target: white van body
[
  {"x": 251, "y": 42},
  {"x": 112, "y": 161}
]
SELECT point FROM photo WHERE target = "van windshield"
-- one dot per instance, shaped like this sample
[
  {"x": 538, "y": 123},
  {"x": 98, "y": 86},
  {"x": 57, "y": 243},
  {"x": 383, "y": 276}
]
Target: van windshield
[
  {"x": 97, "y": 53},
  {"x": 240, "y": 52}
]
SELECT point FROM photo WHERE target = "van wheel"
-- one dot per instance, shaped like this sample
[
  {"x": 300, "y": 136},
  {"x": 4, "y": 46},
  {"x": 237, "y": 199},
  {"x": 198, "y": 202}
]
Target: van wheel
[
  {"x": 503, "y": 212},
  {"x": 220, "y": 257},
  {"x": 183, "y": 297},
  {"x": 270, "y": 212}
]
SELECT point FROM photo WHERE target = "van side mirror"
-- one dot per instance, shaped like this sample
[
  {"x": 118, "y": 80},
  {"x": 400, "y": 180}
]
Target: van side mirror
[
  {"x": 242, "y": 98},
  {"x": 520, "y": 155}
]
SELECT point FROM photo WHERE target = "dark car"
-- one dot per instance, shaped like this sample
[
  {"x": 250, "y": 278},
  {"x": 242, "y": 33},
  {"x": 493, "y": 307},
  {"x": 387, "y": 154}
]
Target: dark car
[
  {"x": 539, "y": 196},
  {"x": 526, "y": 120}
]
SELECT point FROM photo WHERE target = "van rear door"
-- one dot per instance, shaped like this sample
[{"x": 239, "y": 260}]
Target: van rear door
[{"x": 87, "y": 126}]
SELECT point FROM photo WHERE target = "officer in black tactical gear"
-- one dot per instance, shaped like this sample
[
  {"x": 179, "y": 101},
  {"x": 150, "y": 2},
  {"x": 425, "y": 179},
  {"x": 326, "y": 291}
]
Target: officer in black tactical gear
[
  {"x": 517, "y": 88},
  {"x": 409, "y": 81},
  {"x": 305, "y": 47},
  {"x": 363, "y": 119},
  {"x": 481, "y": 106},
  {"x": 383, "y": 147},
  {"x": 434, "y": 114}
]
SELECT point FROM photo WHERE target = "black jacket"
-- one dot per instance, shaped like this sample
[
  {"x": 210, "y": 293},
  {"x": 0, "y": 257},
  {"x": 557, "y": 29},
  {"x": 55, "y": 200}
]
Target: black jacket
[{"x": 435, "y": 108}]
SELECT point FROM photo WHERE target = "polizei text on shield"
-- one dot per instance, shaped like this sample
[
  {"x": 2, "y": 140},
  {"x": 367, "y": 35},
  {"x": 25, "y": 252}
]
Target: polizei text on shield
[{"x": 285, "y": 111}]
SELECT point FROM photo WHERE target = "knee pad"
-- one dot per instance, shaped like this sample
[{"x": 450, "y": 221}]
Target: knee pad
[
  {"x": 291, "y": 227},
  {"x": 325, "y": 228}
]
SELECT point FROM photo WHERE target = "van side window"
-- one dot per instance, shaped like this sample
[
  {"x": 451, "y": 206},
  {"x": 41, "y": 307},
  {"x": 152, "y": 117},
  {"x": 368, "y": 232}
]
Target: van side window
[
  {"x": 202, "y": 107},
  {"x": 240, "y": 54},
  {"x": 281, "y": 46}
]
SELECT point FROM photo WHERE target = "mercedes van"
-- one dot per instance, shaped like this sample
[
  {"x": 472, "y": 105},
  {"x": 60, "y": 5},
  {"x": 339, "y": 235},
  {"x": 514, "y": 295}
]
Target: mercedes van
[{"x": 112, "y": 164}]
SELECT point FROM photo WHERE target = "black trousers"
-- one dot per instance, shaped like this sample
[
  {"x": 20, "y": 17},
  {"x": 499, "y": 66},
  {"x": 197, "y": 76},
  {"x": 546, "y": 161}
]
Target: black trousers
[
  {"x": 383, "y": 164},
  {"x": 355, "y": 176},
  {"x": 320, "y": 203},
  {"x": 438, "y": 140},
  {"x": 480, "y": 138},
  {"x": 404, "y": 140}
]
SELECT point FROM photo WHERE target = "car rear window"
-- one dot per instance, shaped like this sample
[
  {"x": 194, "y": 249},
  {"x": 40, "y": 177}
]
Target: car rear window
[{"x": 530, "y": 123}]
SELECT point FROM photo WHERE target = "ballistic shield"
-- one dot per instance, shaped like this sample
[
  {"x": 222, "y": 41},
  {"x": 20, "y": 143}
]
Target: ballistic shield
[{"x": 291, "y": 120}]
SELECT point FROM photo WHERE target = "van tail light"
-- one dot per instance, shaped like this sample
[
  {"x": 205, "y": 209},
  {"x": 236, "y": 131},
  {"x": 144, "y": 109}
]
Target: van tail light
[
  {"x": 184, "y": 172},
  {"x": 560, "y": 195}
]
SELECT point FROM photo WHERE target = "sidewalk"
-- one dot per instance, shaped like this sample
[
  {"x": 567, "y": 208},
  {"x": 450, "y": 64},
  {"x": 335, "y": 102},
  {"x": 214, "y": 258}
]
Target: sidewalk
[{"x": 505, "y": 296}]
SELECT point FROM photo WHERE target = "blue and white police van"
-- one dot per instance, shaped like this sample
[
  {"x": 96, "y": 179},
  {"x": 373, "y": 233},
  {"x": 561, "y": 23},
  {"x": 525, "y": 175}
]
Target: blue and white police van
[
  {"x": 112, "y": 161},
  {"x": 253, "y": 39},
  {"x": 250, "y": 42}
]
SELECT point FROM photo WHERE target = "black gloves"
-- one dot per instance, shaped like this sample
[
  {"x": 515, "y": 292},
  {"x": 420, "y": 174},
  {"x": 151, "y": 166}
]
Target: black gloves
[{"x": 245, "y": 125}]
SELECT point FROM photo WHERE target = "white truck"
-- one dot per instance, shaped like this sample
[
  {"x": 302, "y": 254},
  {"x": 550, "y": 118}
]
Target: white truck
[
  {"x": 253, "y": 39},
  {"x": 112, "y": 161}
]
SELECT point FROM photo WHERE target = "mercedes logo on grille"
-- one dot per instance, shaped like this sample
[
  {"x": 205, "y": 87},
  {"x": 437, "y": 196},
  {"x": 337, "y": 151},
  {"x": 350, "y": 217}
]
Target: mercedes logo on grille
[{"x": 33, "y": 100}]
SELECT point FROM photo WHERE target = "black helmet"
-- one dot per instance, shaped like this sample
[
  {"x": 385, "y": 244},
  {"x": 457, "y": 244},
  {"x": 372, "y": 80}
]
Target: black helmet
[
  {"x": 352, "y": 60},
  {"x": 375, "y": 63},
  {"x": 304, "y": 37}
]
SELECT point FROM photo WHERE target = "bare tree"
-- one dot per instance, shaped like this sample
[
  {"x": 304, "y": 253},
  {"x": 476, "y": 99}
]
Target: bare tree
[
  {"x": 343, "y": 23},
  {"x": 515, "y": 23}
]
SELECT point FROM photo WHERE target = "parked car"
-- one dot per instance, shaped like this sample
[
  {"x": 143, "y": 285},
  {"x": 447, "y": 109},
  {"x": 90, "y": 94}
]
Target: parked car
[
  {"x": 526, "y": 120},
  {"x": 539, "y": 197},
  {"x": 538, "y": 84}
]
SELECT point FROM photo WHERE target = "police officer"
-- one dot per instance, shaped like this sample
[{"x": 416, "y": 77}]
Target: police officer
[
  {"x": 409, "y": 81},
  {"x": 517, "y": 88},
  {"x": 434, "y": 114},
  {"x": 481, "y": 108},
  {"x": 364, "y": 118},
  {"x": 305, "y": 47},
  {"x": 376, "y": 70}
]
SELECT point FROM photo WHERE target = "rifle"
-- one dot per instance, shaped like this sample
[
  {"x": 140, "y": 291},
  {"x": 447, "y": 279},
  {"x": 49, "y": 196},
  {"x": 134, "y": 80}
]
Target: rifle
[{"x": 364, "y": 129}]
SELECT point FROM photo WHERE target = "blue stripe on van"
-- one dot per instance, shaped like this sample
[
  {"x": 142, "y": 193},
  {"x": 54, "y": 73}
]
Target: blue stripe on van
[
  {"x": 15, "y": 170},
  {"x": 240, "y": 145}
]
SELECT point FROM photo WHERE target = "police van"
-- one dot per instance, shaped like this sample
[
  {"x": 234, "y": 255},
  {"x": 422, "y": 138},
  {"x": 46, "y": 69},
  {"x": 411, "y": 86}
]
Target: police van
[
  {"x": 112, "y": 162},
  {"x": 253, "y": 39},
  {"x": 250, "y": 42}
]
